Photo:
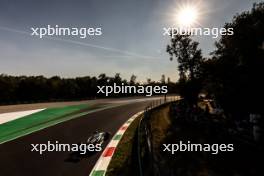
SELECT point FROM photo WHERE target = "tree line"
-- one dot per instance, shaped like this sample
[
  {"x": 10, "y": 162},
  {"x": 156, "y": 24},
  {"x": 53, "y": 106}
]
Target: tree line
[{"x": 32, "y": 89}]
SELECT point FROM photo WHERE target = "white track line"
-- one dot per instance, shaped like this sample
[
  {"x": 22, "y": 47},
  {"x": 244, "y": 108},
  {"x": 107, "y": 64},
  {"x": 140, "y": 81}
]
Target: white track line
[{"x": 6, "y": 117}]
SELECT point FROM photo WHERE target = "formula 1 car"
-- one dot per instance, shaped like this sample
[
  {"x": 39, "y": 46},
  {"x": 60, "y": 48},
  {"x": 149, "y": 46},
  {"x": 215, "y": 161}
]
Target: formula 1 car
[{"x": 96, "y": 139}]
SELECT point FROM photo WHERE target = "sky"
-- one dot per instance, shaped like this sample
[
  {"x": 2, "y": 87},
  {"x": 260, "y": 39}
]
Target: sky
[{"x": 132, "y": 40}]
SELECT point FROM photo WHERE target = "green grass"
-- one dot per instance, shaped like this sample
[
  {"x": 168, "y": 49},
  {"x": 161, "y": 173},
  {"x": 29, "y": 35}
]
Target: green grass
[
  {"x": 160, "y": 123},
  {"x": 98, "y": 173},
  {"x": 37, "y": 121}
]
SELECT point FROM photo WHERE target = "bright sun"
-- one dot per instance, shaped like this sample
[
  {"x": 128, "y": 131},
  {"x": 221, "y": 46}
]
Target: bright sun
[{"x": 187, "y": 16}]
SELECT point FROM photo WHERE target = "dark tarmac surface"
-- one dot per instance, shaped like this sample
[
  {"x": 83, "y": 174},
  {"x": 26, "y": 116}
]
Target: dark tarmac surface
[{"x": 17, "y": 158}]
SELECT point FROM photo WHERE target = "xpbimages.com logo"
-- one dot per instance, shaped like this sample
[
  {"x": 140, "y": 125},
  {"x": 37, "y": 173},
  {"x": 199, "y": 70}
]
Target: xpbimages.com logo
[
  {"x": 192, "y": 147},
  {"x": 56, "y": 146},
  {"x": 82, "y": 32},
  {"x": 127, "y": 89},
  {"x": 197, "y": 31}
]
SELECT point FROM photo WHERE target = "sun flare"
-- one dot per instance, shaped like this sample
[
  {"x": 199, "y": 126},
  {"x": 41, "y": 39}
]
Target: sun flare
[{"x": 187, "y": 16}]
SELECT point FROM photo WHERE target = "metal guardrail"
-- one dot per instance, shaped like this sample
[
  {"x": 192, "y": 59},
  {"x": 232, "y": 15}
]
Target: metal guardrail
[{"x": 146, "y": 163}]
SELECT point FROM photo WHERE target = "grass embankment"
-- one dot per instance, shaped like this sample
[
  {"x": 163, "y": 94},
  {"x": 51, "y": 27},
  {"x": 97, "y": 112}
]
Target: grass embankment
[
  {"x": 122, "y": 162},
  {"x": 160, "y": 124},
  {"x": 40, "y": 120}
]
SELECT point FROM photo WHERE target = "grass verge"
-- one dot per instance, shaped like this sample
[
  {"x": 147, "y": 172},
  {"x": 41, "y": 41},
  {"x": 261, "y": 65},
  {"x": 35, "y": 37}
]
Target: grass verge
[
  {"x": 160, "y": 124},
  {"x": 122, "y": 161},
  {"x": 34, "y": 122}
]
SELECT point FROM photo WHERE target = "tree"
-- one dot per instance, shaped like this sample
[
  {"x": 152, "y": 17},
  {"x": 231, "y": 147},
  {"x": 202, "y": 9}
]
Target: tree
[
  {"x": 30, "y": 89},
  {"x": 188, "y": 55},
  {"x": 168, "y": 80},
  {"x": 149, "y": 81},
  {"x": 236, "y": 68},
  {"x": 133, "y": 79},
  {"x": 163, "y": 79},
  {"x": 189, "y": 59},
  {"x": 103, "y": 79},
  {"x": 117, "y": 79}
]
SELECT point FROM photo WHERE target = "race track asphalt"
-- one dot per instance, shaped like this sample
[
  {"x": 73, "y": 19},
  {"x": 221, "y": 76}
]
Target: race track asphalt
[{"x": 16, "y": 158}]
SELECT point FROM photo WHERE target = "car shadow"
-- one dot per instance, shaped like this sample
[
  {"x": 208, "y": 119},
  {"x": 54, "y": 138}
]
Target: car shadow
[{"x": 77, "y": 156}]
